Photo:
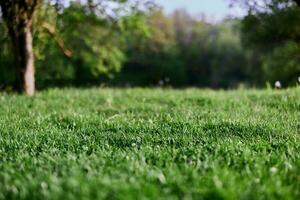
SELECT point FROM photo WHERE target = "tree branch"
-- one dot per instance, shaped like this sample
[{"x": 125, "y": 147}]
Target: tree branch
[{"x": 52, "y": 31}]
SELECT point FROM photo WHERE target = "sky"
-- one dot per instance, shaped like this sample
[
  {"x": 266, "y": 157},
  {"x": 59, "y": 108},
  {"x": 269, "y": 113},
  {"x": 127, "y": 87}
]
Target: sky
[{"x": 213, "y": 9}]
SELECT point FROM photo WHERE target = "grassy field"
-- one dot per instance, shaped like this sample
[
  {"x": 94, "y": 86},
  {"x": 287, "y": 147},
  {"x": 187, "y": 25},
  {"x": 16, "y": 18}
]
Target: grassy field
[{"x": 150, "y": 144}]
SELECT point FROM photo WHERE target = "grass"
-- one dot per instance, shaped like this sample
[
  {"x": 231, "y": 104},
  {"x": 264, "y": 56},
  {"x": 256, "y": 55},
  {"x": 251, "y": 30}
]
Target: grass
[{"x": 150, "y": 144}]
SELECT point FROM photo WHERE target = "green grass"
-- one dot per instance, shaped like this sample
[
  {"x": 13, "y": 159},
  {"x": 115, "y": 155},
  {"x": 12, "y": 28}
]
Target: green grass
[{"x": 150, "y": 144}]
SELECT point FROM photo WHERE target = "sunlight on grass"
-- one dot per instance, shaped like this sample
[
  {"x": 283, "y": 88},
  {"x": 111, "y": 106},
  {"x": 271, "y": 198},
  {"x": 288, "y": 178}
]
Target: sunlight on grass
[{"x": 150, "y": 143}]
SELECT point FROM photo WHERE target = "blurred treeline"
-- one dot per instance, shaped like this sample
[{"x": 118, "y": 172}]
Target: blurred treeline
[{"x": 77, "y": 47}]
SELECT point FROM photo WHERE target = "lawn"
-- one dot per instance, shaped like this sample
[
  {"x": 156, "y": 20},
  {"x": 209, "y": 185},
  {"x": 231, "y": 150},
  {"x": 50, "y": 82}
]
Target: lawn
[{"x": 150, "y": 144}]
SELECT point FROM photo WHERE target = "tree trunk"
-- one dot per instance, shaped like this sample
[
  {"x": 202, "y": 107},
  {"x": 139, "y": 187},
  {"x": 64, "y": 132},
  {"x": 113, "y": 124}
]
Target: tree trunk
[{"x": 23, "y": 49}]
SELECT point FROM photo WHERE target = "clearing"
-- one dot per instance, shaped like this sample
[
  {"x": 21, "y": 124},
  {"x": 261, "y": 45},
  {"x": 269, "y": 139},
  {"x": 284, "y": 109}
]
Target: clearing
[{"x": 150, "y": 144}]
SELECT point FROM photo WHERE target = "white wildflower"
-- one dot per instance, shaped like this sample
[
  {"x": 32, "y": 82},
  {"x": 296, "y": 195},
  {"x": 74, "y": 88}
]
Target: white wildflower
[
  {"x": 273, "y": 170},
  {"x": 278, "y": 85}
]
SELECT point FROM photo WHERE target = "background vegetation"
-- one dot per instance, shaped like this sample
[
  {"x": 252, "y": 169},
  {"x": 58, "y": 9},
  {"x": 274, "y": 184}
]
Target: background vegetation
[{"x": 146, "y": 47}]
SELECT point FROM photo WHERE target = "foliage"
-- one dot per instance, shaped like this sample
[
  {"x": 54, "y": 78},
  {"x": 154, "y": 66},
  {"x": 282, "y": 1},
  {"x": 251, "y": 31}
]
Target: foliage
[
  {"x": 272, "y": 29},
  {"x": 185, "y": 51},
  {"x": 154, "y": 59},
  {"x": 213, "y": 55},
  {"x": 95, "y": 48},
  {"x": 283, "y": 63},
  {"x": 81, "y": 43},
  {"x": 94, "y": 42},
  {"x": 138, "y": 144}
]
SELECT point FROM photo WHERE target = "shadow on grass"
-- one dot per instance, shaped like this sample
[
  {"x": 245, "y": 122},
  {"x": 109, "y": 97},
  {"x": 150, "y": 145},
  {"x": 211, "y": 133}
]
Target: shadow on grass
[{"x": 124, "y": 134}]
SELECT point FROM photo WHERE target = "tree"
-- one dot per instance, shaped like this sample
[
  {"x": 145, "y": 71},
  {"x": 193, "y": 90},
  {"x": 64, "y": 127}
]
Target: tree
[
  {"x": 18, "y": 15},
  {"x": 271, "y": 30},
  {"x": 97, "y": 42},
  {"x": 153, "y": 60}
]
